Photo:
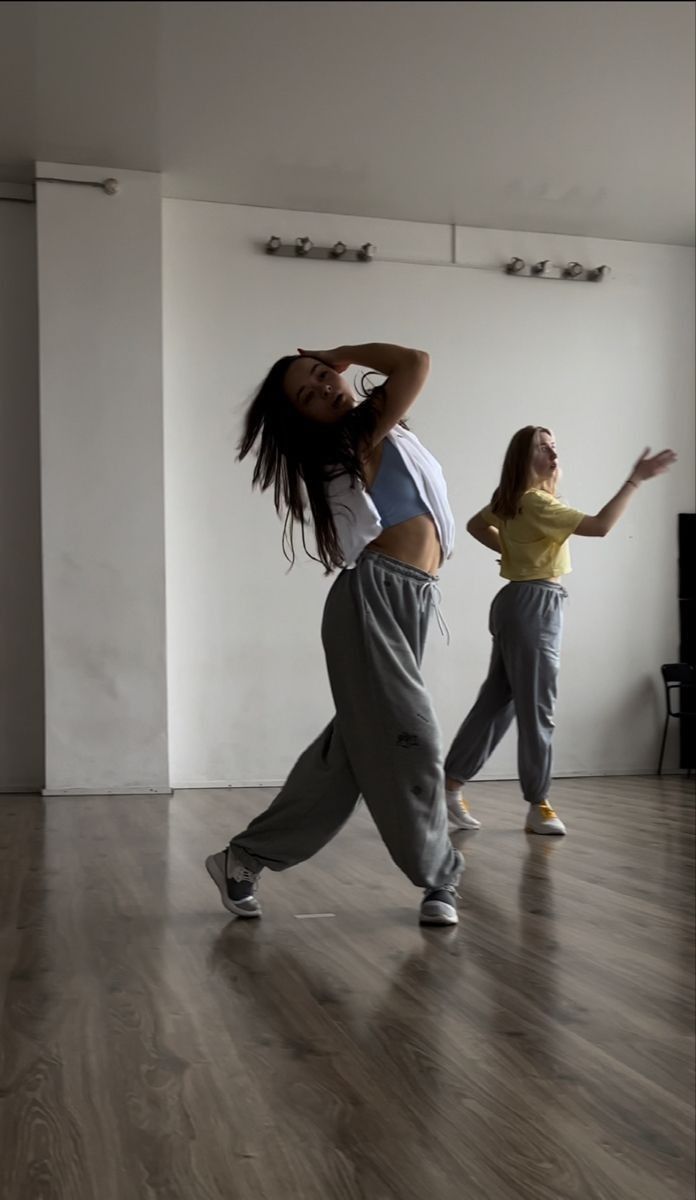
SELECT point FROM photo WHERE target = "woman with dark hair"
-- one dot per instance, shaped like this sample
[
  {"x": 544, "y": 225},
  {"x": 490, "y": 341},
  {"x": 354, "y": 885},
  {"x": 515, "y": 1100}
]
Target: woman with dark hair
[
  {"x": 528, "y": 527},
  {"x": 378, "y": 504}
]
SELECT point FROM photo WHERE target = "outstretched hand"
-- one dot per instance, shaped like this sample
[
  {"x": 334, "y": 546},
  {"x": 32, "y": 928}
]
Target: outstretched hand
[
  {"x": 332, "y": 358},
  {"x": 649, "y": 466}
]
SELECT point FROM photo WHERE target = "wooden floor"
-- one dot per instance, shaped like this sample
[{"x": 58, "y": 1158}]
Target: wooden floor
[{"x": 152, "y": 1047}]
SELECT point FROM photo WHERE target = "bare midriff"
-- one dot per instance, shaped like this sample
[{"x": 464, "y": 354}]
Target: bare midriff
[
  {"x": 551, "y": 579},
  {"x": 415, "y": 542}
]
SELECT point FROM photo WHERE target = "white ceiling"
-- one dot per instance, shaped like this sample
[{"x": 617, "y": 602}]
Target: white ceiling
[{"x": 559, "y": 117}]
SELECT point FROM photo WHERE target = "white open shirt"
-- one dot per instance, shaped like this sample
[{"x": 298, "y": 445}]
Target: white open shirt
[{"x": 355, "y": 515}]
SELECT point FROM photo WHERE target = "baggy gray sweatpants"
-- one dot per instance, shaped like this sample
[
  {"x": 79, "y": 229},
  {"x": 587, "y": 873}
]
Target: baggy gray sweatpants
[
  {"x": 526, "y": 623},
  {"x": 384, "y": 742}
]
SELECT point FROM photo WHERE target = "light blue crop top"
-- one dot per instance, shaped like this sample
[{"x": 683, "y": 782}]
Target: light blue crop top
[{"x": 394, "y": 492}]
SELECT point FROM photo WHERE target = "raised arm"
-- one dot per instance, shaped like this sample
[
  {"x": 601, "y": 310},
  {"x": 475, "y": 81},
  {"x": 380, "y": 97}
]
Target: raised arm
[
  {"x": 646, "y": 468},
  {"x": 406, "y": 371}
]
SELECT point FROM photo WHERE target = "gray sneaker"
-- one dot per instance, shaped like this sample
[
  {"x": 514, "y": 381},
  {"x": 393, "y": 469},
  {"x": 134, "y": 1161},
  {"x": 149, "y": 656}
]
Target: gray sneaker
[
  {"x": 236, "y": 884},
  {"x": 439, "y": 906}
]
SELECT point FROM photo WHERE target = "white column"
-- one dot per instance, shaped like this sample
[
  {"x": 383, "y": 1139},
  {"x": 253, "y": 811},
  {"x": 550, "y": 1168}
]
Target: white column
[{"x": 100, "y": 350}]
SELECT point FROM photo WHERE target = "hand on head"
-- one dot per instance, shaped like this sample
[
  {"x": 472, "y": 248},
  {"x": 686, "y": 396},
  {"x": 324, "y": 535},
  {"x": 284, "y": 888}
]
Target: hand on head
[
  {"x": 332, "y": 358},
  {"x": 314, "y": 384}
]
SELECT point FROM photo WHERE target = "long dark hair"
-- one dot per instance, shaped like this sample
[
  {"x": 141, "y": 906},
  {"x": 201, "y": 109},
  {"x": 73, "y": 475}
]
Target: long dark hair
[
  {"x": 298, "y": 456},
  {"x": 515, "y": 475}
]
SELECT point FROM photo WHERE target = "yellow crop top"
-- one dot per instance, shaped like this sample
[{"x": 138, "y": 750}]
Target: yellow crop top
[{"x": 535, "y": 542}]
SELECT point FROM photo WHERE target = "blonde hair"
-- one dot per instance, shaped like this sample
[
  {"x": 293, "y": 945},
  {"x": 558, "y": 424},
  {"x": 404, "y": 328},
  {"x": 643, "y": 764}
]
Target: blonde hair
[{"x": 516, "y": 473}]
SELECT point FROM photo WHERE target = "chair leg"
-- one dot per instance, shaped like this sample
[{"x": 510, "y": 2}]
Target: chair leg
[{"x": 662, "y": 747}]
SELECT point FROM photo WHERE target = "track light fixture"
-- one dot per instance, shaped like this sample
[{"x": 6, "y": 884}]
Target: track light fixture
[
  {"x": 545, "y": 269},
  {"x": 304, "y": 247}
]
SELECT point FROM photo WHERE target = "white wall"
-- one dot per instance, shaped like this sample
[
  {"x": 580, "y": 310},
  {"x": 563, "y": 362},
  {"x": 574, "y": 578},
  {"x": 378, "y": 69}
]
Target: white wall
[
  {"x": 21, "y": 641},
  {"x": 609, "y": 368},
  {"x": 102, "y": 482}
]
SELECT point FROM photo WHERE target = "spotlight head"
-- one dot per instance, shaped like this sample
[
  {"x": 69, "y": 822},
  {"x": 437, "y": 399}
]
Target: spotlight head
[
  {"x": 367, "y": 252},
  {"x": 598, "y": 274},
  {"x": 272, "y": 244},
  {"x": 338, "y": 249},
  {"x": 541, "y": 268},
  {"x": 514, "y": 266},
  {"x": 303, "y": 245},
  {"x": 572, "y": 270}
]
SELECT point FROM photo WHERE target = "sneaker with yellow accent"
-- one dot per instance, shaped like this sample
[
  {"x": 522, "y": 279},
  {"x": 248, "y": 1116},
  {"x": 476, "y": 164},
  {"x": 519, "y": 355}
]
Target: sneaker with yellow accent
[
  {"x": 458, "y": 814},
  {"x": 542, "y": 819}
]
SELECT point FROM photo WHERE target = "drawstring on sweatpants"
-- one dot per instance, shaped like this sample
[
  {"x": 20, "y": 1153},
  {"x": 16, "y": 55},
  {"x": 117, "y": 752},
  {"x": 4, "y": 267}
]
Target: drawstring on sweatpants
[{"x": 430, "y": 594}]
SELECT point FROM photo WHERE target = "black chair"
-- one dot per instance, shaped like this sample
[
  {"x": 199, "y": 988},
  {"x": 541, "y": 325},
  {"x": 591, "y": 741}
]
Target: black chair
[{"x": 676, "y": 676}]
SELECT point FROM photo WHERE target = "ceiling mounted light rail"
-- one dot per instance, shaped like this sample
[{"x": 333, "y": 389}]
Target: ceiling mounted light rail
[
  {"x": 304, "y": 247},
  {"x": 573, "y": 271}
]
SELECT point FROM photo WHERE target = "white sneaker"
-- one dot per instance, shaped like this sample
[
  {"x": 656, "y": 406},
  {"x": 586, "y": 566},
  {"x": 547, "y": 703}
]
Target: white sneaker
[
  {"x": 542, "y": 819},
  {"x": 458, "y": 814}
]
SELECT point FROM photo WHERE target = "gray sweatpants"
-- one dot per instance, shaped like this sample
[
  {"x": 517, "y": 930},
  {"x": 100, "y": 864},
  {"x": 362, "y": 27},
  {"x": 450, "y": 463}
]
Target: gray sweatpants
[
  {"x": 384, "y": 742},
  {"x": 526, "y": 623}
]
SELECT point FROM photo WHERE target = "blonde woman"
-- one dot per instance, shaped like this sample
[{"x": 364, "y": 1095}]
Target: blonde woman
[{"x": 528, "y": 528}]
